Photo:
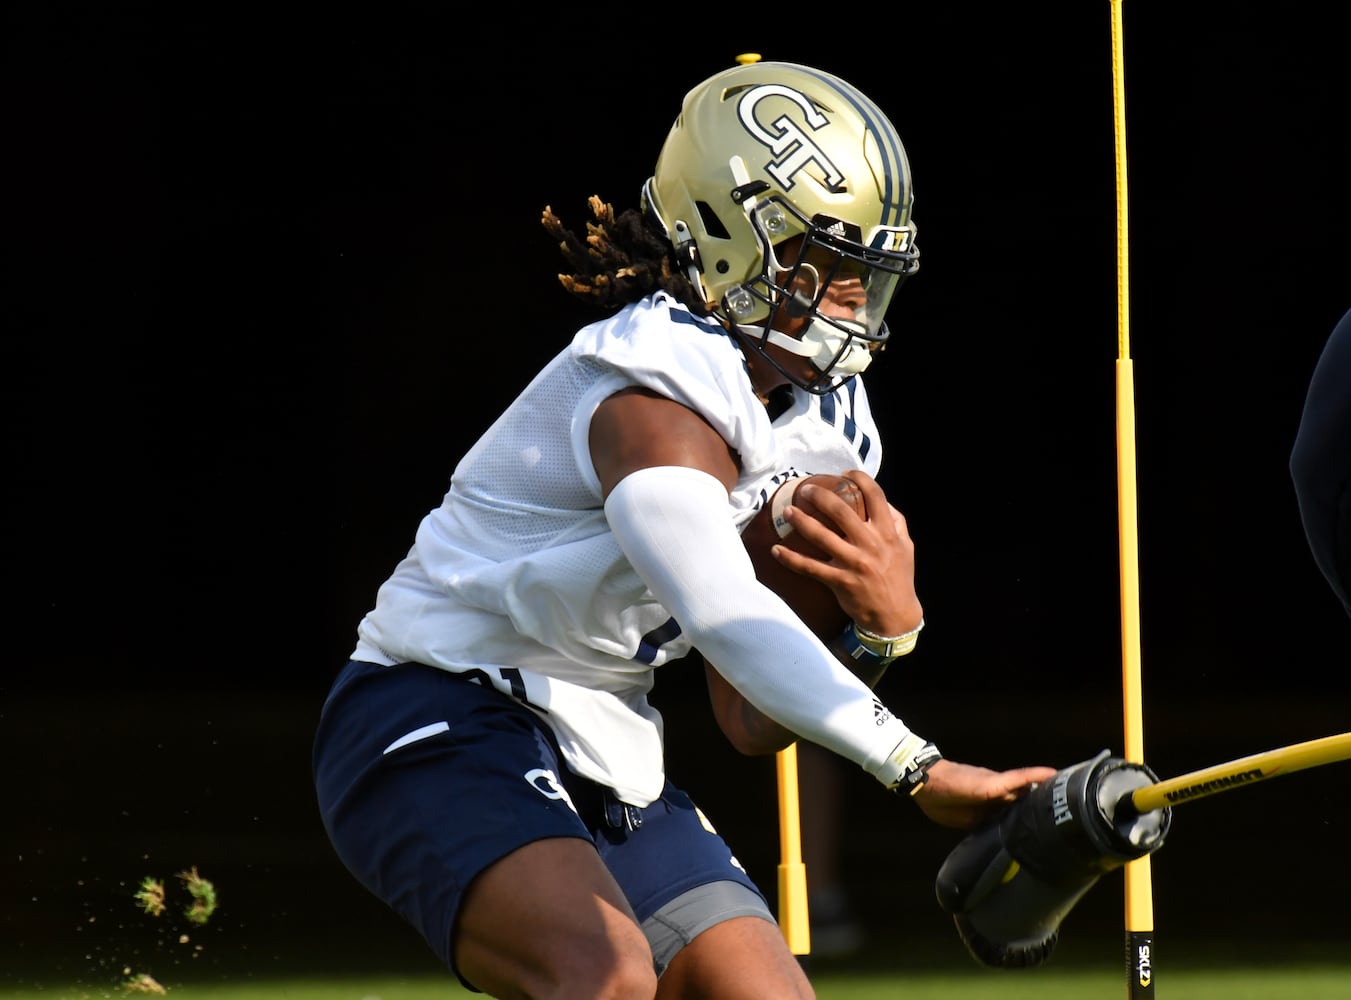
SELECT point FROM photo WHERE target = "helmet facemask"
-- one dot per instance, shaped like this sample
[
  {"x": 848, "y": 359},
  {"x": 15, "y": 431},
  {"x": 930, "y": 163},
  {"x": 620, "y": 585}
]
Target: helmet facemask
[{"x": 833, "y": 262}]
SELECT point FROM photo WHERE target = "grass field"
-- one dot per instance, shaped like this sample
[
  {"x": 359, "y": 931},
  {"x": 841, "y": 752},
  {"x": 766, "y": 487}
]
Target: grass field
[
  {"x": 1313, "y": 982},
  {"x": 1232, "y": 923}
]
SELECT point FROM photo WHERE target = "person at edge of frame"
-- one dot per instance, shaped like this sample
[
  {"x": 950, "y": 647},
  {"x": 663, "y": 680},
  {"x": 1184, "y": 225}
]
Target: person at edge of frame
[
  {"x": 1320, "y": 462},
  {"x": 488, "y": 763}
]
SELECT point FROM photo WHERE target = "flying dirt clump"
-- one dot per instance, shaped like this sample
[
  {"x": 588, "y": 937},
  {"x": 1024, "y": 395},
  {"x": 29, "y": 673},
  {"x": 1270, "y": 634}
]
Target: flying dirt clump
[{"x": 152, "y": 898}]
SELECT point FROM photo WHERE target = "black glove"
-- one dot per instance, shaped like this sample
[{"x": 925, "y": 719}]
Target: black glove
[{"x": 1011, "y": 882}]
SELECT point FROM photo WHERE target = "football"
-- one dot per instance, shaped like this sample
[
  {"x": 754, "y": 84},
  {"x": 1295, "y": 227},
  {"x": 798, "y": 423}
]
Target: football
[{"x": 813, "y": 601}]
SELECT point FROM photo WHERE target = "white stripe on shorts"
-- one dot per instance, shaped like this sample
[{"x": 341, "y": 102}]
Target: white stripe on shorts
[{"x": 421, "y": 733}]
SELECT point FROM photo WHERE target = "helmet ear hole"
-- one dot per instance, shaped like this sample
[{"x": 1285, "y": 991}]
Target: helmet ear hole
[
  {"x": 714, "y": 229},
  {"x": 712, "y": 223}
]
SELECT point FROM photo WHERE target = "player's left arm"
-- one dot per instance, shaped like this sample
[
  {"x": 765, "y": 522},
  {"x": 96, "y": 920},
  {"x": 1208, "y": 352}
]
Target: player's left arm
[{"x": 749, "y": 730}]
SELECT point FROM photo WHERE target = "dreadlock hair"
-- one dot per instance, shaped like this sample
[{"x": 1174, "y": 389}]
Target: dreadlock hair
[{"x": 623, "y": 259}]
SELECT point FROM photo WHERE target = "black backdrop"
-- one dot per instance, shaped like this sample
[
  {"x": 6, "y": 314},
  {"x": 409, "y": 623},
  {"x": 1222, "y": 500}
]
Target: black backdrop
[{"x": 269, "y": 275}]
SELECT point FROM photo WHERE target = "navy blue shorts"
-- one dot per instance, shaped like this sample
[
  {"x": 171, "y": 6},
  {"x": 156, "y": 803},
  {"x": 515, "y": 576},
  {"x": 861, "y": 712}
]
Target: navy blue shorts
[{"x": 425, "y": 778}]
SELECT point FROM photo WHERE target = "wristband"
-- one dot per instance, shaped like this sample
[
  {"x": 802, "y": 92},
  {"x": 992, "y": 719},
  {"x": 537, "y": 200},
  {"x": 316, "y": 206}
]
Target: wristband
[
  {"x": 871, "y": 648},
  {"x": 913, "y": 758}
]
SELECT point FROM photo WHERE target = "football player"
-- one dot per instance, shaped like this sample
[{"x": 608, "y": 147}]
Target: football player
[{"x": 488, "y": 762}]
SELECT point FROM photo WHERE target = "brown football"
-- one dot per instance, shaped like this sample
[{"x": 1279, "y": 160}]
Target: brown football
[{"x": 813, "y": 601}]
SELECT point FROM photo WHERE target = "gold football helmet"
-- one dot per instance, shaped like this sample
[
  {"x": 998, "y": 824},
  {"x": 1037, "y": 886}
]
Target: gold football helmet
[{"x": 766, "y": 152}]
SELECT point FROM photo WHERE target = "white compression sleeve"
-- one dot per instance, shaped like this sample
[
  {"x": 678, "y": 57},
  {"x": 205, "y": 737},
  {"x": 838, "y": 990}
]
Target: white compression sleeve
[{"x": 673, "y": 524}]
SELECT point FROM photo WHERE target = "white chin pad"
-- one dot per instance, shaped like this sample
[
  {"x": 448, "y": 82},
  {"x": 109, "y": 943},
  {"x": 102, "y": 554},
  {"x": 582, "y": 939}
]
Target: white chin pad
[{"x": 820, "y": 342}]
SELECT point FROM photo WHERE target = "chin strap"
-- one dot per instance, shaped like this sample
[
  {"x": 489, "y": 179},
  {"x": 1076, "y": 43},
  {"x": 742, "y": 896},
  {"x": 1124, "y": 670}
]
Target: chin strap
[{"x": 820, "y": 342}]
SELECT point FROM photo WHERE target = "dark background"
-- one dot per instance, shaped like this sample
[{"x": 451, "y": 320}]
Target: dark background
[{"x": 268, "y": 275}]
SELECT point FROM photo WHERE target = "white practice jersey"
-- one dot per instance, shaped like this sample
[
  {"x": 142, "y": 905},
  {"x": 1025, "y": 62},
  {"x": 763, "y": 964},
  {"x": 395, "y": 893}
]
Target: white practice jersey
[{"x": 516, "y": 579}]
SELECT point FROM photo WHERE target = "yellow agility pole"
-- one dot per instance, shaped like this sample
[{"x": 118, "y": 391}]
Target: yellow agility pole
[
  {"x": 792, "y": 872},
  {"x": 1139, "y": 888},
  {"x": 1241, "y": 773}
]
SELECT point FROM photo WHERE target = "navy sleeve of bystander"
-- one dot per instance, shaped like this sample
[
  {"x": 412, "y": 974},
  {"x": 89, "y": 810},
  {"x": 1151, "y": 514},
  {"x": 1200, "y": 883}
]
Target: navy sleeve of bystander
[{"x": 1320, "y": 462}]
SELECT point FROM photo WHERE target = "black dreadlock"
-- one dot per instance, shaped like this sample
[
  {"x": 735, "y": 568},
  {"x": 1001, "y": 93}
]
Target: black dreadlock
[{"x": 622, "y": 259}]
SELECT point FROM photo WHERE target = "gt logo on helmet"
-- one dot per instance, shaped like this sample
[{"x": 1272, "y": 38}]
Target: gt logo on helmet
[{"x": 793, "y": 149}]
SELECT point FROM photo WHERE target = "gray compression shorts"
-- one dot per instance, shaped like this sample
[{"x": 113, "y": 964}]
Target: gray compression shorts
[{"x": 678, "y": 922}]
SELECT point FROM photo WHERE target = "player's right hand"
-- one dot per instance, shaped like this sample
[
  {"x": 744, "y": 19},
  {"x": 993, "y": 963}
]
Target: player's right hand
[{"x": 871, "y": 563}]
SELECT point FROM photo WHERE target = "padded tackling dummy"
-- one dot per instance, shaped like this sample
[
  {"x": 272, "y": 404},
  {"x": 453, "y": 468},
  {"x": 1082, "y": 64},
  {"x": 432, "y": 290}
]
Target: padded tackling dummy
[{"x": 1010, "y": 883}]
